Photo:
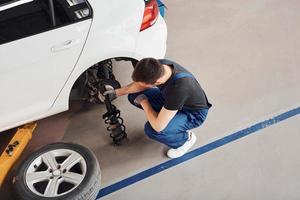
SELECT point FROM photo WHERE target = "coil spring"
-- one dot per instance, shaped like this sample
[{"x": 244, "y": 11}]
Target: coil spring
[{"x": 115, "y": 121}]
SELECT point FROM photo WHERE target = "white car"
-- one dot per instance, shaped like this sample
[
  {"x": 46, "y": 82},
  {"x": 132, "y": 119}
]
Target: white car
[
  {"x": 46, "y": 46},
  {"x": 44, "y": 53}
]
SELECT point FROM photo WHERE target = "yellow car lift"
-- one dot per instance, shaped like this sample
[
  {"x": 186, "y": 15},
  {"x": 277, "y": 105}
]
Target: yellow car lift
[{"x": 15, "y": 148}]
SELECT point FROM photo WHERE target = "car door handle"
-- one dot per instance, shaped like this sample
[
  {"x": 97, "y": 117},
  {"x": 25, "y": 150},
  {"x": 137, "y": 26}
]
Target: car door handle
[{"x": 65, "y": 45}]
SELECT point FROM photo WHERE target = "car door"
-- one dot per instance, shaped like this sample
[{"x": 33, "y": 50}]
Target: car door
[{"x": 40, "y": 43}]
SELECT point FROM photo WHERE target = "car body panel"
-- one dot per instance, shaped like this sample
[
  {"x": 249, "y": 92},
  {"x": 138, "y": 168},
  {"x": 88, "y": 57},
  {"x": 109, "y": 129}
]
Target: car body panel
[
  {"x": 111, "y": 35},
  {"x": 31, "y": 80}
]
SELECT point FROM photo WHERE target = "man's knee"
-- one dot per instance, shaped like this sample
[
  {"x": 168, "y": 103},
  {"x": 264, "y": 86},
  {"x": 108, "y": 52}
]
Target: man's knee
[
  {"x": 149, "y": 130},
  {"x": 131, "y": 98}
]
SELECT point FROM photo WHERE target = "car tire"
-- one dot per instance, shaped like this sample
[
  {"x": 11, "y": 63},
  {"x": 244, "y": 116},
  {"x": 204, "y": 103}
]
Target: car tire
[{"x": 76, "y": 165}]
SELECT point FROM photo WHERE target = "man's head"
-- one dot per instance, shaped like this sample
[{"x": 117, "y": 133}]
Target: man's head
[{"x": 148, "y": 71}]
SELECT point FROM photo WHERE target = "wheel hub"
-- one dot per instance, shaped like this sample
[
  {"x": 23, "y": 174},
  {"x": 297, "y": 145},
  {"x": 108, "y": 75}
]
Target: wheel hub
[{"x": 56, "y": 173}]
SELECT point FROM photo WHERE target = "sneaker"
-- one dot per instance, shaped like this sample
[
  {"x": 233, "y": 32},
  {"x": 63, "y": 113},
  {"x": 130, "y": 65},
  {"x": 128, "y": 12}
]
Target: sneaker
[{"x": 180, "y": 151}]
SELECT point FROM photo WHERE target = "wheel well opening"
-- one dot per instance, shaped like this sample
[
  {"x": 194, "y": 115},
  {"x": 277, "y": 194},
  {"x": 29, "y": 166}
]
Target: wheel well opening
[{"x": 83, "y": 88}]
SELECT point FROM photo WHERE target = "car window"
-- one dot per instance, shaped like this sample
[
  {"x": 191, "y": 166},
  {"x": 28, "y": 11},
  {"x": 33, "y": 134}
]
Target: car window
[
  {"x": 36, "y": 16},
  {"x": 69, "y": 11}
]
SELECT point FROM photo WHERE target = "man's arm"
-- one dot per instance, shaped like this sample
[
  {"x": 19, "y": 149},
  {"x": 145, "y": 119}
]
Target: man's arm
[
  {"x": 129, "y": 89},
  {"x": 158, "y": 121}
]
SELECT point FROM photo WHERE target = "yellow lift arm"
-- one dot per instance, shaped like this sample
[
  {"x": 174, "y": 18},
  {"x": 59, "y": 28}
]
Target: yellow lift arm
[{"x": 14, "y": 149}]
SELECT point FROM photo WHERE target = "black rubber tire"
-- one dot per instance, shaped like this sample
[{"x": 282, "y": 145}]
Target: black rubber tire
[{"x": 87, "y": 189}]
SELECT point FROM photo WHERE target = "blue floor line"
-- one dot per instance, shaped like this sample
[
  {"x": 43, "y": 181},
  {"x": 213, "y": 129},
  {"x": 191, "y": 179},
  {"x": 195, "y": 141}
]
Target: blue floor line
[{"x": 197, "y": 152}]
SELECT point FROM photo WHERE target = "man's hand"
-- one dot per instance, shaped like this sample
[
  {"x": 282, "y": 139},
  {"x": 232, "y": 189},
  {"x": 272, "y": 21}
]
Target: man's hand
[
  {"x": 138, "y": 100},
  {"x": 110, "y": 91}
]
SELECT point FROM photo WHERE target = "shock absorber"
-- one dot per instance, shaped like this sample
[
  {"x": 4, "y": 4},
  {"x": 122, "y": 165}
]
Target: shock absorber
[
  {"x": 112, "y": 118},
  {"x": 115, "y": 124}
]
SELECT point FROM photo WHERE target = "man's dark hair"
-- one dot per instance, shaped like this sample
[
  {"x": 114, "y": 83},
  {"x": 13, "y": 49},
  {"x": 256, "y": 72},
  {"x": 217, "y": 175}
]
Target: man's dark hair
[{"x": 147, "y": 70}]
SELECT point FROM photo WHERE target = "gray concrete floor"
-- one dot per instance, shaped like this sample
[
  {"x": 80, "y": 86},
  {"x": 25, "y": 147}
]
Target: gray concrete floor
[
  {"x": 261, "y": 166},
  {"x": 245, "y": 54}
]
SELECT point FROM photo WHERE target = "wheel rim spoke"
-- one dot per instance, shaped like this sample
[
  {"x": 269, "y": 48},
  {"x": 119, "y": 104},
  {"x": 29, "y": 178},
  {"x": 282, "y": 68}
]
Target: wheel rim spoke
[
  {"x": 35, "y": 177},
  {"x": 71, "y": 161},
  {"x": 52, "y": 188},
  {"x": 49, "y": 159},
  {"x": 72, "y": 177}
]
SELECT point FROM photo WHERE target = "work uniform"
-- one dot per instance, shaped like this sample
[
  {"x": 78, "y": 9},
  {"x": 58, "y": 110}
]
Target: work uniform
[{"x": 181, "y": 92}]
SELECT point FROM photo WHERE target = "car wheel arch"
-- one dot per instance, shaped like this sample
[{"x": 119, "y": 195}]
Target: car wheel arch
[{"x": 79, "y": 75}]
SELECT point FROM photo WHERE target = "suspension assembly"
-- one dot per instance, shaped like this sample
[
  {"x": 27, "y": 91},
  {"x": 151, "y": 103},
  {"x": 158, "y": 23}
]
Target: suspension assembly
[{"x": 97, "y": 78}]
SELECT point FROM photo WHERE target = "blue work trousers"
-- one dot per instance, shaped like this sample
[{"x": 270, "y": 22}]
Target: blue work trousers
[{"x": 175, "y": 134}]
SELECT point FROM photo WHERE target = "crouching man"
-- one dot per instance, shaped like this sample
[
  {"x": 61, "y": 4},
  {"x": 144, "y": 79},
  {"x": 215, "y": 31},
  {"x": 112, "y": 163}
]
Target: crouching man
[{"x": 172, "y": 99}]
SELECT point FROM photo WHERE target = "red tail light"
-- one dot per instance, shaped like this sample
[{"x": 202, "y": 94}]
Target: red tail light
[{"x": 150, "y": 14}]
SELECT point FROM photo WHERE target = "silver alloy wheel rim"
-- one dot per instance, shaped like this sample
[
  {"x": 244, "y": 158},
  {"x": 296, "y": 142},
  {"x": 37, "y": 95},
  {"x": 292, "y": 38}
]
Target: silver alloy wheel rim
[{"x": 55, "y": 173}]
